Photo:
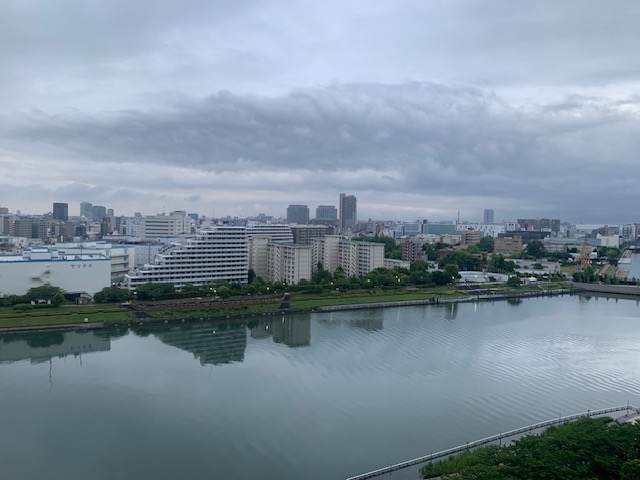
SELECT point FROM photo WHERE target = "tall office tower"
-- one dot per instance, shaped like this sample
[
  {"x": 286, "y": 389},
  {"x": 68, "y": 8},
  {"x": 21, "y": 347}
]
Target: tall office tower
[
  {"x": 488, "y": 215},
  {"x": 326, "y": 212},
  {"x": 86, "y": 209},
  {"x": 348, "y": 211},
  {"x": 110, "y": 212},
  {"x": 61, "y": 211},
  {"x": 99, "y": 212},
  {"x": 298, "y": 214}
]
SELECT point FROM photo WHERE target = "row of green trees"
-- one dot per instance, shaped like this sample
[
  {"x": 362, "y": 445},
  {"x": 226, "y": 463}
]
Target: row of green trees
[
  {"x": 321, "y": 280},
  {"x": 46, "y": 294}
]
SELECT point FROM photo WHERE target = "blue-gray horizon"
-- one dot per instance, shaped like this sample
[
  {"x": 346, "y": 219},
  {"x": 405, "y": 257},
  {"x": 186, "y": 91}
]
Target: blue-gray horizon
[{"x": 420, "y": 111}]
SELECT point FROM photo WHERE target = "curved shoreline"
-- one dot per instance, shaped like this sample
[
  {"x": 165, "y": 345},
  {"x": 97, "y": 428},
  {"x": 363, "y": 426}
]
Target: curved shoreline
[{"x": 153, "y": 321}]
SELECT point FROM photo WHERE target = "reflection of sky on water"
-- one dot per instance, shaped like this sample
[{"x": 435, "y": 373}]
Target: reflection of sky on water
[{"x": 277, "y": 396}]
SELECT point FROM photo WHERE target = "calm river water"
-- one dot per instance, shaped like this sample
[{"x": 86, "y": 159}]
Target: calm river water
[{"x": 319, "y": 396}]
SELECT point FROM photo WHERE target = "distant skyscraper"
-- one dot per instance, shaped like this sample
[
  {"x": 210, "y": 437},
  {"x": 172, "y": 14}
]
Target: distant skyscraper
[
  {"x": 348, "y": 211},
  {"x": 99, "y": 212},
  {"x": 85, "y": 209},
  {"x": 326, "y": 212},
  {"x": 298, "y": 214},
  {"x": 488, "y": 215},
  {"x": 110, "y": 212},
  {"x": 61, "y": 211}
]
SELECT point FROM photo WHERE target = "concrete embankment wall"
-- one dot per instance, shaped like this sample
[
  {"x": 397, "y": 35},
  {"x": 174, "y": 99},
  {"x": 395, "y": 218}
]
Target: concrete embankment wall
[
  {"x": 617, "y": 289},
  {"x": 437, "y": 301}
]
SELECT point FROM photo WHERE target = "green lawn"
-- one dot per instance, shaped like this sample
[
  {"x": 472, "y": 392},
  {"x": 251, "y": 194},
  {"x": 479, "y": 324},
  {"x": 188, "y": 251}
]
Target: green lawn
[
  {"x": 112, "y": 313},
  {"x": 61, "y": 315}
]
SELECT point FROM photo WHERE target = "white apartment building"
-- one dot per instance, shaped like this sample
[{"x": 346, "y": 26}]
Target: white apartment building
[
  {"x": 277, "y": 232},
  {"x": 74, "y": 273},
  {"x": 154, "y": 226},
  {"x": 217, "y": 255},
  {"x": 327, "y": 252},
  {"x": 486, "y": 229},
  {"x": 259, "y": 256},
  {"x": 289, "y": 263},
  {"x": 280, "y": 262},
  {"x": 355, "y": 258}
]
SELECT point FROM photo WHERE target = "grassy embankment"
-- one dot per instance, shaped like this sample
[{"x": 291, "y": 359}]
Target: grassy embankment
[
  {"x": 66, "y": 314},
  {"x": 111, "y": 314}
]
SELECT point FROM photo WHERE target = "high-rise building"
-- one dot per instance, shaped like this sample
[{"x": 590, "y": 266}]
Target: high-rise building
[
  {"x": 298, "y": 214},
  {"x": 488, "y": 215},
  {"x": 86, "y": 209},
  {"x": 348, "y": 211},
  {"x": 61, "y": 211},
  {"x": 326, "y": 213},
  {"x": 4, "y": 210},
  {"x": 99, "y": 212}
]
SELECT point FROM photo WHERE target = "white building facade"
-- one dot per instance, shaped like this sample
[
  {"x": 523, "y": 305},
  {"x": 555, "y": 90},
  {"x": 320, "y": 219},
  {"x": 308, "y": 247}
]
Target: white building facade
[
  {"x": 154, "y": 226},
  {"x": 38, "y": 266},
  {"x": 214, "y": 256},
  {"x": 355, "y": 258}
]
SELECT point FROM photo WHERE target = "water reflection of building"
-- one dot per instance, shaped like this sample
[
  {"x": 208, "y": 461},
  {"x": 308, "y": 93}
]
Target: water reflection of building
[
  {"x": 41, "y": 347},
  {"x": 210, "y": 343},
  {"x": 371, "y": 320},
  {"x": 292, "y": 330}
]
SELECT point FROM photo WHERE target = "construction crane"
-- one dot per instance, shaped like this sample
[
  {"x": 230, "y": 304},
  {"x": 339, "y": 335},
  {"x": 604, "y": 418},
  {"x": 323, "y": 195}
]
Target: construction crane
[{"x": 585, "y": 255}]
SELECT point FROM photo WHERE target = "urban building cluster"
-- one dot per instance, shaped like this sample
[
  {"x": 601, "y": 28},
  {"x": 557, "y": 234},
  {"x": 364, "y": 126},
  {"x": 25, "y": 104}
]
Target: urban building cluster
[{"x": 84, "y": 253}]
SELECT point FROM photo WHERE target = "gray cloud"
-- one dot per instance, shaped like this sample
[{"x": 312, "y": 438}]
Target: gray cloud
[
  {"x": 420, "y": 110},
  {"x": 416, "y": 138}
]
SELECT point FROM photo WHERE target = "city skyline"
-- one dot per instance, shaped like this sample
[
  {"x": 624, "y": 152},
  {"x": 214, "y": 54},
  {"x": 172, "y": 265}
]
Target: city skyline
[{"x": 419, "y": 111}]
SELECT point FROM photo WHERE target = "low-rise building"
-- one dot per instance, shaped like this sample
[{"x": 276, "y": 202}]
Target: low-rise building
[
  {"x": 468, "y": 238},
  {"x": 37, "y": 266},
  {"x": 507, "y": 245}
]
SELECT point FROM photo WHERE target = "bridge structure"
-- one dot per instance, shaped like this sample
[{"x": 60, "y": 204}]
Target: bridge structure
[{"x": 493, "y": 438}]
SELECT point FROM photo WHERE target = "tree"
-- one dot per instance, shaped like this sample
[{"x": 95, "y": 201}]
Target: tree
[
  {"x": 154, "y": 291},
  {"x": 463, "y": 260},
  {"x": 440, "y": 278},
  {"x": 451, "y": 271},
  {"x": 223, "y": 291},
  {"x": 111, "y": 295},
  {"x": 43, "y": 293},
  {"x": 535, "y": 248},
  {"x": 513, "y": 281},
  {"x": 418, "y": 266},
  {"x": 430, "y": 251},
  {"x": 486, "y": 244},
  {"x": 630, "y": 470}
]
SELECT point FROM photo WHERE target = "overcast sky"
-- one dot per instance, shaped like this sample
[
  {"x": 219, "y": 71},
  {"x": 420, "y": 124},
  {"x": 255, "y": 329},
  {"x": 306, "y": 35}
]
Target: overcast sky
[{"x": 420, "y": 108}]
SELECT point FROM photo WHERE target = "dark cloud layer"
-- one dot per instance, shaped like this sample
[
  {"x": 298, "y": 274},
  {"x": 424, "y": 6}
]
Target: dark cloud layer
[{"x": 573, "y": 157}]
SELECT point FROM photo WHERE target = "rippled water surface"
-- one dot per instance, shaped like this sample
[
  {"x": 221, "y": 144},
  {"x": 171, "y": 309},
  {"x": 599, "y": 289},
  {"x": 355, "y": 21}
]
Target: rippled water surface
[{"x": 319, "y": 396}]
